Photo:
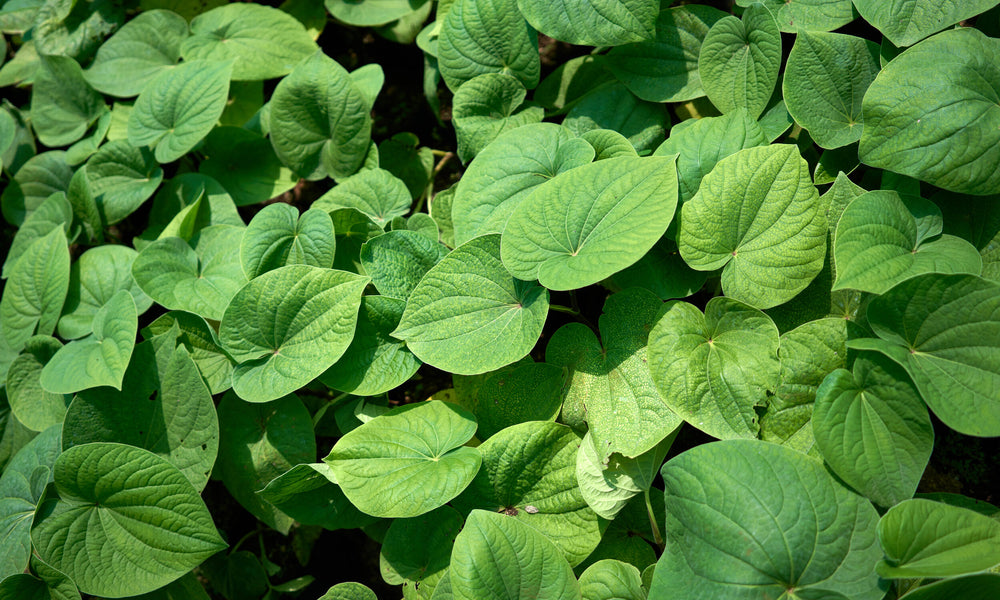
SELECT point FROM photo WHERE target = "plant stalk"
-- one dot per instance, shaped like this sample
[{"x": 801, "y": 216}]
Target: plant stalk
[{"x": 652, "y": 522}]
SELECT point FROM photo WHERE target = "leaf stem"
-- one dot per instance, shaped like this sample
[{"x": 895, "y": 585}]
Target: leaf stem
[
  {"x": 445, "y": 157},
  {"x": 243, "y": 539},
  {"x": 565, "y": 309},
  {"x": 652, "y": 522}
]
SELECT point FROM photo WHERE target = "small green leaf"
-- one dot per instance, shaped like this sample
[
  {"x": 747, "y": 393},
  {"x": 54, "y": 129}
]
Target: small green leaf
[
  {"x": 38, "y": 178},
  {"x": 487, "y": 106},
  {"x": 245, "y": 164},
  {"x": 308, "y": 493},
  {"x": 435, "y": 532},
  {"x": 54, "y": 213},
  {"x": 365, "y": 13},
  {"x": 195, "y": 334},
  {"x": 63, "y": 105},
  {"x": 398, "y": 260},
  {"x": 278, "y": 236},
  {"x": 607, "y": 484},
  {"x": 34, "y": 407},
  {"x": 408, "y": 461},
  {"x": 807, "y": 15},
  {"x": 609, "y": 578},
  {"x": 908, "y": 21},
  {"x": 349, "y": 590},
  {"x": 93, "y": 280},
  {"x": 36, "y": 289},
  {"x": 377, "y": 193},
  {"x": 120, "y": 178},
  {"x": 144, "y": 522},
  {"x": 593, "y": 22},
  {"x": 608, "y": 143}
]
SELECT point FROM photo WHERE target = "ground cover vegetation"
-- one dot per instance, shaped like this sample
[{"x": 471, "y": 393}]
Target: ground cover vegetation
[{"x": 497, "y": 299}]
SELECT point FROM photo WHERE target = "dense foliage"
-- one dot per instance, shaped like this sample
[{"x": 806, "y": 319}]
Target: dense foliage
[{"x": 709, "y": 282}]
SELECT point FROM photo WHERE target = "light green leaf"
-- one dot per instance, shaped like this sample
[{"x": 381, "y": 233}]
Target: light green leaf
[
  {"x": 262, "y": 41},
  {"x": 584, "y": 226},
  {"x": 34, "y": 294},
  {"x": 287, "y": 326},
  {"x": 69, "y": 28},
  {"x": 319, "y": 120},
  {"x": 259, "y": 443},
  {"x": 143, "y": 522},
  {"x": 487, "y": 106},
  {"x": 713, "y": 369},
  {"x": 877, "y": 245},
  {"x": 245, "y": 164},
  {"x": 611, "y": 579},
  {"x": 38, "y": 178},
  {"x": 944, "y": 330},
  {"x": 278, "y": 236},
  {"x": 922, "y": 538},
  {"x": 419, "y": 572},
  {"x": 487, "y": 36},
  {"x": 525, "y": 391},
  {"x": 928, "y": 135},
  {"x": 593, "y": 22},
  {"x": 468, "y": 315},
  {"x": 398, "y": 260},
  {"x": 375, "y": 192},
  {"x": 180, "y": 193},
  {"x": 34, "y": 407},
  {"x": 608, "y": 143},
  {"x": 611, "y": 377},
  {"x": 508, "y": 169},
  {"x": 666, "y": 69},
  {"x": 529, "y": 473},
  {"x": 825, "y": 81},
  {"x": 93, "y": 280},
  {"x": 365, "y": 13},
  {"x": 908, "y": 21},
  {"x": 54, "y": 213},
  {"x": 178, "y": 108},
  {"x": 137, "y": 53},
  {"x": 98, "y": 359},
  {"x": 201, "y": 342},
  {"x": 613, "y": 106},
  {"x": 739, "y": 61},
  {"x": 607, "y": 484},
  {"x": 408, "y": 461},
  {"x": 498, "y": 558},
  {"x": 753, "y": 520},
  {"x": 807, "y": 15},
  {"x": 758, "y": 215},
  {"x": 63, "y": 105}
]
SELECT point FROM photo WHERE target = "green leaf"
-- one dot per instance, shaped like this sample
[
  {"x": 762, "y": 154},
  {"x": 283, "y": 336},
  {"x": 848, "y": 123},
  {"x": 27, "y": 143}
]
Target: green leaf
[
  {"x": 825, "y": 81},
  {"x": 702, "y": 143},
  {"x": 468, "y": 315},
  {"x": 98, "y": 359},
  {"x": 70, "y": 28},
  {"x": 377, "y": 193},
  {"x": 139, "y": 515},
  {"x": 807, "y": 15},
  {"x": 403, "y": 156},
  {"x": 593, "y": 22},
  {"x": 35, "y": 290},
  {"x": 259, "y": 443},
  {"x": 34, "y": 407},
  {"x": 739, "y": 61},
  {"x": 398, "y": 260},
  {"x": 944, "y": 330},
  {"x": 319, "y": 120},
  {"x": 408, "y": 461},
  {"x": 487, "y": 36},
  {"x": 353, "y": 229},
  {"x": 486, "y": 106},
  {"x": 365, "y": 13},
  {"x": 287, "y": 326},
  {"x": 507, "y": 170},
  {"x": 909, "y": 21},
  {"x": 755, "y": 520},
  {"x": 529, "y": 473},
  {"x": 38, "y": 178},
  {"x": 202, "y": 344},
  {"x": 180, "y": 193},
  {"x": 21, "y": 486},
  {"x": 873, "y": 430},
  {"x": 435, "y": 532},
  {"x": 983, "y": 586},
  {"x": 666, "y": 68},
  {"x": 201, "y": 277},
  {"x": 526, "y": 391},
  {"x": 50, "y": 584},
  {"x": 278, "y": 236},
  {"x": 498, "y": 558},
  {"x": 608, "y": 579},
  {"x": 607, "y": 484},
  {"x": 922, "y": 135},
  {"x": 63, "y": 105},
  {"x": 178, "y": 108},
  {"x": 349, "y": 590},
  {"x": 713, "y": 369},
  {"x": 120, "y": 178},
  {"x": 308, "y": 493},
  {"x": 758, "y": 215},
  {"x": 137, "y": 53},
  {"x": 245, "y": 164},
  {"x": 262, "y": 41},
  {"x": 54, "y": 213},
  {"x": 94, "y": 279},
  {"x": 613, "y": 106},
  {"x": 589, "y": 224},
  {"x": 611, "y": 378},
  {"x": 662, "y": 271},
  {"x": 608, "y": 143},
  {"x": 163, "y": 406},
  {"x": 922, "y": 538},
  {"x": 570, "y": 81},
  {"x": 877, "y": 245}
]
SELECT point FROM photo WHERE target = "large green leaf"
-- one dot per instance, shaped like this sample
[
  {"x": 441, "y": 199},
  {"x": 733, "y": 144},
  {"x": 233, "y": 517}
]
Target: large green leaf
[
  {"x": 507, "y": 170},
  {"x": 666, "y": 68},
  {"x": 278, "y": 236},
  {"x": 588, "y": 224},
  {"x": 908, "y": 21},
  {"x": 319, "y": 120},
  {"x": 398, "y": 260},
  {"x": 178, "y": 108},
  {"x": 486, "y": 106},
  {"x": 93, "y": 280},
  {"x": 825, "y": 82},
  {"x": 200, "y": 277},
  {"x": 529, "y": 473},
  {"x": 38, "y": 178},
  {"x": 377, "y": 193},
  {"x": 287, "y": 326},
  {"x": 100, "y": 358},
  {"x": 945, "y": 331},
  {"x": 408, "y": 461},
  {"x": 807, "y": 15},
  {"x": 119, "y": 177},
  {"x": 132, "y": 57},
  {"x": 131, "y": 513},
  {"x": 469, "y": 315},
  {"x": 487, "y": 36},
  {"x": 365, "y": 13},
  {"x": 940, "y": 125},
  {"x": 593, "y": 22},
  {"x": 758, "y": 215},
  {"x": 34, "y": 294},
  {"x": 63, "y": 105},
  {"x": 878, "y": 244},
  {"x": 419, "y": 571},
  {"x": 262, "y": 41},
  {"x": 922, "y": 538},
  {"x": 873, "y": 430},
  {"x": 713, "y": 369},
  {"x": 739, "y": 61},
  {"x": 610, "y": 377},
  {"x": 498, "y": 558},
  {"x": 752, "y": 520}
]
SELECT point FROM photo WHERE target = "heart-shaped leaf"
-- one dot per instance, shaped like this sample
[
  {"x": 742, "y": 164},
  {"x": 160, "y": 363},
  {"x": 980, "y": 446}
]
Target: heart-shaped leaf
[
  {"x": 486, "y": 106},
  {"x": 909, "y": 21},
  {"x": 278, "y": 236},
  {"x": 398, "y": 260},
  {"x": 93, "y": 280},
  {"x": 608, "y": 484},
  {"x": 63, "y": 105},
  {"x": 36, "y": 289},
  {"x": 55, "y": 213},
  {"x": 34, "y": 407},
  {"x": 38, "y": 178},
  {"x": 377, "y": 193},
  {"x": 593, "y": 22},
  {"x": 610, "y": 578},
  {"x": 119, "y": 177}
]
